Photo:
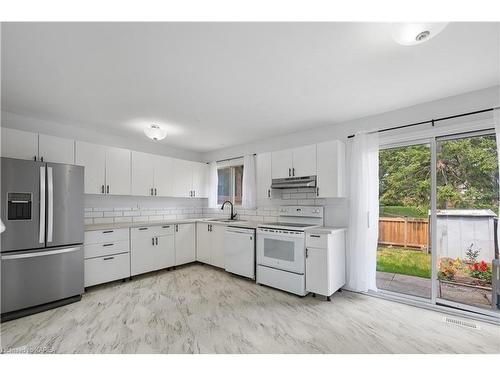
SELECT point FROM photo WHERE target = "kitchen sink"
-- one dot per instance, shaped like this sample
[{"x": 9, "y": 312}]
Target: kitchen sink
[{"x": 227, "y": 221}]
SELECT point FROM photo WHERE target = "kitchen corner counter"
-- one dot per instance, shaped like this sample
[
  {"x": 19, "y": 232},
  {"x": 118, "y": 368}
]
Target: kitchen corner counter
[{"x": 325, "y": 230}]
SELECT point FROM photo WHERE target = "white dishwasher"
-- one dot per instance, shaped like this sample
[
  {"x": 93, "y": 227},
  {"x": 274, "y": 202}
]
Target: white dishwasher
[{"x": 239, "y": 251}]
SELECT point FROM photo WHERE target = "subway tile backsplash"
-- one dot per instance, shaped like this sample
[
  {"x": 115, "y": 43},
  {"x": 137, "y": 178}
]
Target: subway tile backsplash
[{"x": 100, "y": 210}]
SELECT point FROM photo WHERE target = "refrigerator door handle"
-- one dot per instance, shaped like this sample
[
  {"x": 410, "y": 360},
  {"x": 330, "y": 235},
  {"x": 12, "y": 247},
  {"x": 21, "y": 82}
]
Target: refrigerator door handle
[
  {"x": 40, "y": 253},
  {"x": 50, "y": 204},
  {"x": 41, "y": 237}
]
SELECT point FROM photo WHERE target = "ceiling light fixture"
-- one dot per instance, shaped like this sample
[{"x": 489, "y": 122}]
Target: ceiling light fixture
[
  {"x": 155, "y": 132},
  {"x": 410, "y": 34}
]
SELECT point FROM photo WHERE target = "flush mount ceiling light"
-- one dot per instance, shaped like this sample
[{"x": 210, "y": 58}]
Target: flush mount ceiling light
[
  {"x": 410, "y": 34},
  {"x": 155, "y": 132}
]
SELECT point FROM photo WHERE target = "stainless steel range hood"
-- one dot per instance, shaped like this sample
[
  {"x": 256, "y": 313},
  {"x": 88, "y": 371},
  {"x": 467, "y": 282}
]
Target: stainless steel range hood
[{"x": 294, "y": 182}]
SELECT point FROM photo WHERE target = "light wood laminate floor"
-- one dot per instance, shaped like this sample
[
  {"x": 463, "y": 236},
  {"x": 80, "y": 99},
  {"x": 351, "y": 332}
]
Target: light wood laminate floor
[{"x": 200, "y": 309}]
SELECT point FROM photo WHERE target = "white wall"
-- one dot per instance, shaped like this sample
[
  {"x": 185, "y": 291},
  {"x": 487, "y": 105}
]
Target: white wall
[
  {"x": 468, "y": 102},
  {"x": 80, "y": 133}
]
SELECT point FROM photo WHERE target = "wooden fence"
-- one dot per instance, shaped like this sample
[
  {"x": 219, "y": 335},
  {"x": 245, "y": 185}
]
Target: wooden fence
[{"x": 400, "y": 231}]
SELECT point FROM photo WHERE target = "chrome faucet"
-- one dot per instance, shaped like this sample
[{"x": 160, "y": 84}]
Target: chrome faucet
[{"x": 232, "y": 214}]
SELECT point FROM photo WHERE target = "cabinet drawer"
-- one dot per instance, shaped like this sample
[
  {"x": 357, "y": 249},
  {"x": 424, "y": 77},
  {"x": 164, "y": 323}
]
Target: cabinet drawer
[
  {"x": 110, "y": 235},
  {"x": 152, "y": 231},
  {"x": 107, "y": 248},
  {"x": 316, "y": 240},
  {"x": 105, "y": 269}
]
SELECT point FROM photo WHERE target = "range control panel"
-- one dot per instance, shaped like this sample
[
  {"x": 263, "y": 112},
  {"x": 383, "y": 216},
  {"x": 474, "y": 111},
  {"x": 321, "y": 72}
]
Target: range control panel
[{"x": 301, "y": 211}]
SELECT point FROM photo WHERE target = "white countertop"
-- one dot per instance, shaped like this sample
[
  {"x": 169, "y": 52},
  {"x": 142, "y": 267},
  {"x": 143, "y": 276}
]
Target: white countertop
[
  {"x": 325, "y": 230},
  {"x": 135, "y": 224}
]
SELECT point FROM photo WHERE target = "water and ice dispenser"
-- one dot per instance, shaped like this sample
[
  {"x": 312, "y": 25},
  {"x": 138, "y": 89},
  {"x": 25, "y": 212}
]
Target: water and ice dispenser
[{"x": 19, "y": 206}]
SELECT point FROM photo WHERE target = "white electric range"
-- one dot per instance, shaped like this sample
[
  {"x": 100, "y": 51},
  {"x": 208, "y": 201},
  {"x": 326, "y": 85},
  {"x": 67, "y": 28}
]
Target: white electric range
[{"x": 281, "y": 248}]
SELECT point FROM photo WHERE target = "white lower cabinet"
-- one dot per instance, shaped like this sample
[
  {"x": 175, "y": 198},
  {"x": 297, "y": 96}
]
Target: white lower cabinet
[
  {"x": 210, "y": 243},
  {"x": 325, "y": 261},
  {"x": 104, "y": 269},
  {"x": 185, "y": 243},
  {"x": 151, "y": 248},
  {"x": 107, "y": 256}
]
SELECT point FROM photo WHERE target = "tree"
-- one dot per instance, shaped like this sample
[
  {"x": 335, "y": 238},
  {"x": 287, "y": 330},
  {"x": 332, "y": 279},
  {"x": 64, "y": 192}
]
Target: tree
[{"x": 467, "y": 175}]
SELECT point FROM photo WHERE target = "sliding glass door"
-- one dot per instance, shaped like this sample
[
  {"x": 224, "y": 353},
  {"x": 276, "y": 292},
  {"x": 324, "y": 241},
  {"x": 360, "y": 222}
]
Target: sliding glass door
[
  {"x": 404, "y": 254},
  {"x": 466, "y": 216},
  {"x": 438, "y": 221}
]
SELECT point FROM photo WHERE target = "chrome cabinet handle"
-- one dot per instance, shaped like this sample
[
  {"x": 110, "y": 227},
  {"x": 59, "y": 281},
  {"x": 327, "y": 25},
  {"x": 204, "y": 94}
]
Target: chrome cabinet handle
[
  {"x": 143, "y": 228},
  {"x": 108, "y": 231},
  {"x": 41, "y": 237},
  {"x": 108, "y": 244},
  {"x": 50, "y": 204},
  {"x": 166, "y": 226},
  {"x": 108, "y": 258}
]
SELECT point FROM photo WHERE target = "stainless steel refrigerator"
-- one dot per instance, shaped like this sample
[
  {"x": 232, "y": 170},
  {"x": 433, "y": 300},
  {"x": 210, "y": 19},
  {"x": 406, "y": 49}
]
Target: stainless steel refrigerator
[{"x": 41, "y": 248}]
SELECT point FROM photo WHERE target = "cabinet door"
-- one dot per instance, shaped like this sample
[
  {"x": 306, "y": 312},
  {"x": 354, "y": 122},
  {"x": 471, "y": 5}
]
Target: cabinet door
[
  {"x": 331, "y": 169},
  {"x": 93, "y": 158},
  {"x": 19, "y": 144},
  {"x": 200, "y": 180},
  {"x": 203, "y": 242},
  {"x": 282, "y": 164},
  {"x": 163, "y": 172},
  {"x": 304, "y": 161},
  {"x": 217, "y": 245},
  {"x": 264, "y": 177},
  {"x": 166, "y": 248},
  {"x": 56, "y": 150},
  {"x": 183, "y": 178},
  {"x": 142, "y": 173},
  {"x": 117, "y": 171},
  {"x": 185, "y": 243},
  {"x": 316, "y": 270}
]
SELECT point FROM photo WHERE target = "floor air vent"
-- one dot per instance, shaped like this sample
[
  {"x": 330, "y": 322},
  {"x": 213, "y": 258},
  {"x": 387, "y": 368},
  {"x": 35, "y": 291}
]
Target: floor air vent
[{"x": 461, "y": 323}]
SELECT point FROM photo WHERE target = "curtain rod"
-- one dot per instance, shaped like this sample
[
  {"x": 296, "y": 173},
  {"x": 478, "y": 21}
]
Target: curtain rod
[
  {"x": 237, "y": 157},
  {"x": 433, "y": 121}
]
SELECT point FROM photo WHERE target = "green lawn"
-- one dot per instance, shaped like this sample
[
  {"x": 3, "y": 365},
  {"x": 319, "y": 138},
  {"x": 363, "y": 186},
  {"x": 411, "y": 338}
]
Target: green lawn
[
  {"x": 396, "y": 211},
  {"x": 404, "y": 261}
]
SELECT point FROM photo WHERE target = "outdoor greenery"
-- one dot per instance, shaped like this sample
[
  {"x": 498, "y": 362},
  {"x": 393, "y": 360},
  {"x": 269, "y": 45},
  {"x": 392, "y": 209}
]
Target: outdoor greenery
[
  {"x": 467, "y": 172},
  {"x": 404, "y": 262},
  {"x": 398, "y": 211}
]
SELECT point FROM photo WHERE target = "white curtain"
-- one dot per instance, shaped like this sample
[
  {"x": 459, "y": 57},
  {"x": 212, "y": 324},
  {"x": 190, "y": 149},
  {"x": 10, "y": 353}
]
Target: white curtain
[
  {"x": 496, "y": 114},
  {"x": 249, "y": 192},
  {"x": 213, "y": 181},
  {"x": 361, "y": 257}
]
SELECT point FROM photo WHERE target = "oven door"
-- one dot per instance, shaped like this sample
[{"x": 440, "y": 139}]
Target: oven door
[{"x": 282, "y": 251}]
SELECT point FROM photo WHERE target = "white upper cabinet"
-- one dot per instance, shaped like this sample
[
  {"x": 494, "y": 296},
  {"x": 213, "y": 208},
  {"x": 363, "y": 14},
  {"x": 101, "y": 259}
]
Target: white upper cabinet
[
  {"x": 107, "y": 169},
  {"x": 282, "y": 163},
  {"x": 297, "y": 162},
  {"x": 183, "y": 178},
  {"x": 163, "y": 176},
  {"x": 19, "y": 144},
  {"x": 117, "y": 171},
  {"x": 142, "y": 173},
  {"x": 304, "y": 161},
  {"x": 93, "y": 158},
  {"x": 331, "y": 169},
  {"x": 200, "y": 180},
  {"x": 264, "y": 177},
  {"x": 56, "y": 150}
]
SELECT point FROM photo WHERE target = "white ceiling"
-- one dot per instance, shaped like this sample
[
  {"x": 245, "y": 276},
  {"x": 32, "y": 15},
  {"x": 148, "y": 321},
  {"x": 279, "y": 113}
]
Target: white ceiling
[{"x": 215, "y": 85}]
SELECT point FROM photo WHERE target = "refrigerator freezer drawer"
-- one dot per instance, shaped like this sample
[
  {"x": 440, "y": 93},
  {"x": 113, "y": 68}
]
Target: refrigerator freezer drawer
[
  {"x": 105, "y": 269},
  {"x": 33, "y": 278}
]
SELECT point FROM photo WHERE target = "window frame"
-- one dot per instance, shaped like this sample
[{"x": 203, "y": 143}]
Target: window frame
[{"x": 232, "y": 167}]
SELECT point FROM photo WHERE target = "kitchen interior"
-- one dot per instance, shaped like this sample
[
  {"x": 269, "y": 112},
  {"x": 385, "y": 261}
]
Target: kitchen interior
[{"x": 134, "y": 235}]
